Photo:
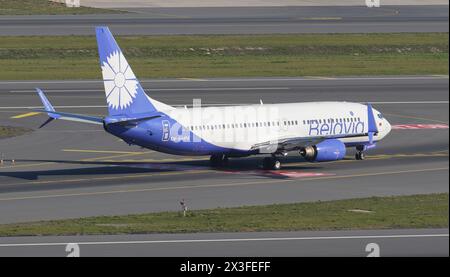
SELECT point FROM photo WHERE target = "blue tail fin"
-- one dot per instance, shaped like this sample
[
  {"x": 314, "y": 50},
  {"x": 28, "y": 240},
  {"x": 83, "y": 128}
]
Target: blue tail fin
[{"x": 124, "y": 93}]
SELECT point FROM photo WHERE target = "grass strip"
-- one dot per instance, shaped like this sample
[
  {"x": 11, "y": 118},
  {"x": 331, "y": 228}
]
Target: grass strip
[
  {"x": 75, "y": 57},
  {"x": 415, "y": 211},
  {"x": 37, "y": 7},
  {"x": 11, "y": 131}
]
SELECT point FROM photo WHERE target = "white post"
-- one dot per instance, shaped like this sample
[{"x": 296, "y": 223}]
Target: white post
[
  {"x": 73, "y": 3},
  {"x": 69, "y": 3}
]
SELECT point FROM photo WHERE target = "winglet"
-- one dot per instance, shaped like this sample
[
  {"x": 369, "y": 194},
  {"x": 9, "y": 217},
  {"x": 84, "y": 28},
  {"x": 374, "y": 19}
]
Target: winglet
[
  {"x": 47, "y": 105},
  {"x": 372, "y": 128}
]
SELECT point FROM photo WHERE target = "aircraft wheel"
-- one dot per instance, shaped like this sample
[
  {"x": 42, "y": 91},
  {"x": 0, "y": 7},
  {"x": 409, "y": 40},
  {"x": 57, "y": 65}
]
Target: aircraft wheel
[
  {"x": 360, "y": 156},
  {"x": 270, "y": 163},
  {"x": 276, "y": 164}
]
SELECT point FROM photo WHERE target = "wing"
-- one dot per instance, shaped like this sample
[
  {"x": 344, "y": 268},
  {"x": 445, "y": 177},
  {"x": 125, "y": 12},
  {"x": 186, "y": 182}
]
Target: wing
[
  {"x": 288, "y": 144},
  {"x": 295, "y": 143}
]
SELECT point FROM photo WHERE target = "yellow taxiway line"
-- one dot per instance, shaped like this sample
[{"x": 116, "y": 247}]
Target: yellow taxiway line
[
  {"x": 25, "y": 115},
  {"x": 101, "y": 151}
]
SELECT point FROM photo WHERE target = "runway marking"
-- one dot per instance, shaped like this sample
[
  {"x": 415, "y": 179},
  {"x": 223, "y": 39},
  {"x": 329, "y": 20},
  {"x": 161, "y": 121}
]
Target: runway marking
[
  {"x": 163, "y": 89},
  {"x": 381, "y": 157},
  {"x": 72, "y": 131},
  {"x": 400, "y": 236},
  {"x": 321, "y": 18},
  {"x": 284, "y": 173},
  {"x": 425, "y": 77},
  {"x": 116, "y": 156},
  {"x": 198, "y": 186},
  {"x": 419, "y": 118},
  {"x": 237, "y": 104},
  {"x": 61, "y": 107},
  {"x": 321, "y": 78},
  {"x": 419, "y": 126},
  {"x": 25, "y": 115},
  {"x": 103, "y": 151},
  {"x": 409, "y": 102}
]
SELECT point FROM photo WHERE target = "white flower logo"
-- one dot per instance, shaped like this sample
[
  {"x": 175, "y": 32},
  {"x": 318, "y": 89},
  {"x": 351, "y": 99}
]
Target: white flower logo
[{"x": 119, "y": 80}]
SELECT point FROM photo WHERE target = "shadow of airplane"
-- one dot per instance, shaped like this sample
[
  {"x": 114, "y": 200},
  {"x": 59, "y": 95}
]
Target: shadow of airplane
[{"x": 247, "y": 165}]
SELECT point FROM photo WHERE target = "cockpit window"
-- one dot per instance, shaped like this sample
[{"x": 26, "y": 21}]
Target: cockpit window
[{"x": 380, "y": 116}]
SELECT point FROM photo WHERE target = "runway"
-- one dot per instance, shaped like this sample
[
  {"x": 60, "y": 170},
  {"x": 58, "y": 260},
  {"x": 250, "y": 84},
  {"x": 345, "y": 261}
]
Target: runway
[
  {"x": 426, "y": 242},
  {"x": 69, "y": 170},
  {"x": 238, "y": 20}
]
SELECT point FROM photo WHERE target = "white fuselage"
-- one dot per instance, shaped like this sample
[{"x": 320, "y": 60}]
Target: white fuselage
[{"x": 241, "y": 127}]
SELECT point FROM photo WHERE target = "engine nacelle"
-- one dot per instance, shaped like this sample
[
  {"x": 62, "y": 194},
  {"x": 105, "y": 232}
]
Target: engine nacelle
[{"x": 328, "y": 150}]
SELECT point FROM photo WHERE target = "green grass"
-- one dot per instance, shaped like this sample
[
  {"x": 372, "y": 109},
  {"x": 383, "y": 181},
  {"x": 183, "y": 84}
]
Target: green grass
[
  {"x": 75, "y": 57},
  {"x": 10, "y": 131},
  {"x": 417, "y": 211},
  {"x": 29, "y": 7}
]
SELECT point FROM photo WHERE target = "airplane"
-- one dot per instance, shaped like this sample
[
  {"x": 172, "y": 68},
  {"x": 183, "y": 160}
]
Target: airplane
[{"x": 318, "y": 131}]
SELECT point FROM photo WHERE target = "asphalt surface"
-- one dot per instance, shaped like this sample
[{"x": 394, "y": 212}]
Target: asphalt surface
[
  {"x": 69, "y": 169},
  {"x": 422, "y": 242},
  {"x": 238, "y": 20}
]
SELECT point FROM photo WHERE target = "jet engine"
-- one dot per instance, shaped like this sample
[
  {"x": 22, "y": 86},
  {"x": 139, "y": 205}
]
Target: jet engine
[{"x": 328, "y": 150}]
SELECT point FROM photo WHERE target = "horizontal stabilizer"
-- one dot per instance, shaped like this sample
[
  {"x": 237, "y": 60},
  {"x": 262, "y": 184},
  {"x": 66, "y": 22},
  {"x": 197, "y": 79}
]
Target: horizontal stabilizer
[
  {"x": 50, "y": 110},
  {"x": 73, "y": 117}
]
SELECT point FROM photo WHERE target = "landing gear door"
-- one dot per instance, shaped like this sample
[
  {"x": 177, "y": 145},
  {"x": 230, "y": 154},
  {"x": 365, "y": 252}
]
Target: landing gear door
[{"x": 165, "y": 130}]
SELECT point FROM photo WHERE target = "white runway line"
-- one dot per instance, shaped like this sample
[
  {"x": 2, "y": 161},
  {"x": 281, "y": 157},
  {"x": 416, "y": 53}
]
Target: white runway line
[
  {"x": 411, "y": 102},
  {"x": 225, "y": 240},
  {"x": 160, "y": 89},
  {"x": 318, "y": 78},
  {"x": 222, "y": 104}
]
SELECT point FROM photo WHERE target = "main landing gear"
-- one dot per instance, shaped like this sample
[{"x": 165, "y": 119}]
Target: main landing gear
[
  {"x": 360, "y": 153},
  {"x": 271, "y": 163},
  {"x": 218, "y": 160}
]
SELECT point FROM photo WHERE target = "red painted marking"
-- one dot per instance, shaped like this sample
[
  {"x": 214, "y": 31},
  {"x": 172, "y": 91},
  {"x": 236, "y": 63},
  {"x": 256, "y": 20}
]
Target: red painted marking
[
  {"x": 298, "y": 174},
  {"x": 284, "y": 173},
  {"x": 419, "y": 126}
]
